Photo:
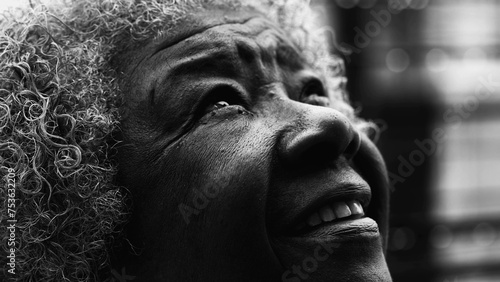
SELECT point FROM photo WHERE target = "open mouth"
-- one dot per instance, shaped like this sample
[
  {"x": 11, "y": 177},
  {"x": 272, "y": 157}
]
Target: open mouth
[
  {"x": 339, "y": 212},
  {"x": 330, "y": 214},
  {"x": 336, "y": 230}
]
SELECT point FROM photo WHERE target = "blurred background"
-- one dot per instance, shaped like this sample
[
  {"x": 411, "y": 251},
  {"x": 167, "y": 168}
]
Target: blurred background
[{"x": 428, "y": 73}]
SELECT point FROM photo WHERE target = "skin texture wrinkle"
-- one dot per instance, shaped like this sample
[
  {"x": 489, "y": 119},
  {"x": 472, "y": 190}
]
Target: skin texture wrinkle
[
  {"x": 186, "y": 140},
  {"x": 223, "y": 115}
]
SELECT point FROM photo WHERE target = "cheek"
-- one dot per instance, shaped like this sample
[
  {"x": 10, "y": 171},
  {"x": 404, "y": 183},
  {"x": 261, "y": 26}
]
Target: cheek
[
  {"x": 224, "y": 169},
  {"x": 232, "y": 157},
  {"x": 223, "y": 175},
  {"x": 214, "y": 178}
]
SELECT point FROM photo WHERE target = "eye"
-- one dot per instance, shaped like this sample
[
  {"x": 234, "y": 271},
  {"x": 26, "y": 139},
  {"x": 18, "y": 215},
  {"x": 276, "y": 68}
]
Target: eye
[
  {"x": 223, "y": 97},
  {"x": 312, "y": 87},
  {"x": 314, "y": 93},
  {"x": 219, "y": 105}
]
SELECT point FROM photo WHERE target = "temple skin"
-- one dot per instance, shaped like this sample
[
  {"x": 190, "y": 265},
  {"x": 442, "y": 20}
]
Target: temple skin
[{"x": 217, "y": 107}]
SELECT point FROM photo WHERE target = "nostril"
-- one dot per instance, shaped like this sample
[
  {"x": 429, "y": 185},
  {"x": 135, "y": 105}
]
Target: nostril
[
  {"x": 328, "y": 137},
  {"x": 319, "y": 155},
  {"x": 308, "y": 147},
  {"x": 317, "y": 148}
]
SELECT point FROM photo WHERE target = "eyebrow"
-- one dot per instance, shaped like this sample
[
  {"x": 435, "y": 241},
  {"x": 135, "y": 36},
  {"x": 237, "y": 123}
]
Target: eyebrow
[
  {"x": 287, "y": 55},
  {"x": 198, "y": 62}
]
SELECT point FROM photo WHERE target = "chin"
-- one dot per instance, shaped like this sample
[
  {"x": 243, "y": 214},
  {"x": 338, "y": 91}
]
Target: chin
[{"x": 350, "y": 250}]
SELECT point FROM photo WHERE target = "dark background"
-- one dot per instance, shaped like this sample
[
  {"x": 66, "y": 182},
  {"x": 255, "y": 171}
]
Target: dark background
[{"x": 414, "y": 73}]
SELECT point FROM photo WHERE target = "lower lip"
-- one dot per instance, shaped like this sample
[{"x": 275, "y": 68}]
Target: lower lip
[
  {"x": 348, "y": 230},
  {"x": 357, "y": 238},
  {"x": 351, "y": 248}
]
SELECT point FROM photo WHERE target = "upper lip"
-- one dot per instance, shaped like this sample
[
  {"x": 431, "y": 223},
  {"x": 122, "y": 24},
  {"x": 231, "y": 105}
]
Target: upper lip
[{"x": 345, "y": 192}]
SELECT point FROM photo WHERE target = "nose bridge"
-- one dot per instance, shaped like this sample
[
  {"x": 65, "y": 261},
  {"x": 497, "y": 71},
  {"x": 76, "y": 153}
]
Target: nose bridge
[{"x": 316, "y": 135}]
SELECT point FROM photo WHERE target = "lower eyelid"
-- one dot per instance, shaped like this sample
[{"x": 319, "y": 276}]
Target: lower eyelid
[
  {"x": 316, "y": 100},
  {"x": 230, "y": 107}
]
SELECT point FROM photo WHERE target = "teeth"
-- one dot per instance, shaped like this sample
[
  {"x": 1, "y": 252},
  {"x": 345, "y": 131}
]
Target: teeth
[
  {"x": 355, "y": 207},
  {"x": 327, "y": 214},
  {"x": 336, "y": 211},
  {"x": 341, "y": 210}
]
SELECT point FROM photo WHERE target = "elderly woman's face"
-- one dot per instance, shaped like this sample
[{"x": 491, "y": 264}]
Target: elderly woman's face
[{"x": 237, "y": 171}]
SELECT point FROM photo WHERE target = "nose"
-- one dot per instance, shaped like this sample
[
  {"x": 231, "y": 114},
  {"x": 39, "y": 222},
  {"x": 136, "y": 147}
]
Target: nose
[{"x": 318, "y": 136}]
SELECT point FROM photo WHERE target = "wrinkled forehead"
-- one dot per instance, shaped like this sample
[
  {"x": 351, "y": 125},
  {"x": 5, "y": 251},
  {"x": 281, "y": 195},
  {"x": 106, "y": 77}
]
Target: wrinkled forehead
[
  {"x": 200, "y": 21},
  {"x": 217, "y": 29}
]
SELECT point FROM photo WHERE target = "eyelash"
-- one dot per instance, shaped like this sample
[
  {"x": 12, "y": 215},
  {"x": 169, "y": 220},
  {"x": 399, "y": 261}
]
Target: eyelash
[
  {"x": 225, "y": 96},
  {"x": 222, "y": 97}
]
